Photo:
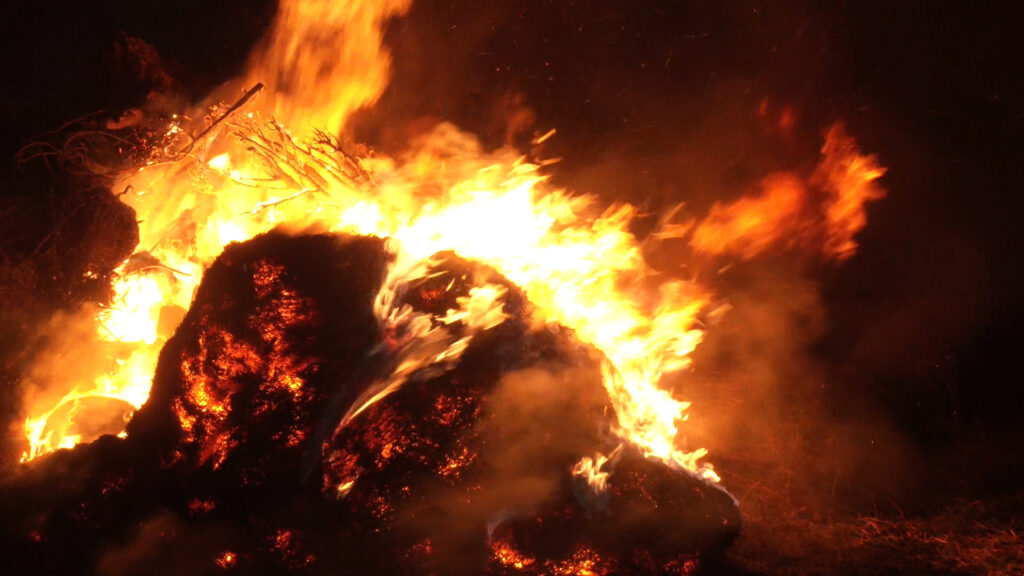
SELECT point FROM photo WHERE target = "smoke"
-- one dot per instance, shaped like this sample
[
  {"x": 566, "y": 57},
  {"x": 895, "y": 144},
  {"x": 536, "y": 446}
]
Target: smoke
[
  {"x": 769, "y": 406},
  {"x": 545, "y": 417},
  {"x": 142, "y": 553},
  {"x": 165, "y": 545},
  {"x": 63, "y": 355},
  {"x": 536, "y": 423}
]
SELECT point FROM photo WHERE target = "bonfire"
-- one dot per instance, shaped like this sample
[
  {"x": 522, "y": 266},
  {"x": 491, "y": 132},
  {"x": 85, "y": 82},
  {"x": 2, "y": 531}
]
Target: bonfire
[{"x": 319, "y": 358}]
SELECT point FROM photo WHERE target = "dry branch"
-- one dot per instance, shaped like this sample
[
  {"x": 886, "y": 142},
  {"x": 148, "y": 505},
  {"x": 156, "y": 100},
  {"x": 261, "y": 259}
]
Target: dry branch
[
  {"x": 86, "y": 147},
  {"x": 319, "y": 166}
]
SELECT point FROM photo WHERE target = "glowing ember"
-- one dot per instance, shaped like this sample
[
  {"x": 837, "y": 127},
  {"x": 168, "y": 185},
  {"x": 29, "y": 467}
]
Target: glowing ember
[{"x": 226, "y": 560}]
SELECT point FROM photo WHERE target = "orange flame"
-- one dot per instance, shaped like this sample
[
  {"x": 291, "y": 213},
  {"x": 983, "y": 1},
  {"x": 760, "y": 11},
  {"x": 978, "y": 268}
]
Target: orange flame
[
  {"x": 822, "y": 213},
  {"x": 850, "y": 180},
  {"x": 750, "y": 225}
]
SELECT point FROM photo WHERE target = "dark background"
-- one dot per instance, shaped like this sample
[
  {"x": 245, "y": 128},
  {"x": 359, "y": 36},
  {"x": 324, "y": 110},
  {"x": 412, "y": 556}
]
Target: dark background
[{"x": 658, "y": 102}]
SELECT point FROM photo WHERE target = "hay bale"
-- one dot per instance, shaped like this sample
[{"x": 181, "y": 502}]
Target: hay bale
[{"x": 243, "y": 461}]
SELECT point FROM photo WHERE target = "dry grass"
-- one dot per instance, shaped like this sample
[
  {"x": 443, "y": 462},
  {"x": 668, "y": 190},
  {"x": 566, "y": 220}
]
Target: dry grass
[{"x": 783, "y": 535}]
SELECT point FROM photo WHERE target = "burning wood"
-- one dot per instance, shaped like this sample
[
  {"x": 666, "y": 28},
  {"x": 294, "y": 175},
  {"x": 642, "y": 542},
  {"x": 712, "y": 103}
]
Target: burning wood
[{"x": 245, "y": 458}]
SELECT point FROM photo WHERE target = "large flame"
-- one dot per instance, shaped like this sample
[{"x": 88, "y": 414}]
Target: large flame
[{"x": 578, "y": 263}]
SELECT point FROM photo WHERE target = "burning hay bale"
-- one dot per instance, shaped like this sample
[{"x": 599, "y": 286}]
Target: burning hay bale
[{"x": 274, "y": 441}]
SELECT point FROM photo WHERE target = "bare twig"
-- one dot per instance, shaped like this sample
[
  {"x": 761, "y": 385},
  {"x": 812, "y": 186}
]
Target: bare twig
[
  {"x": 321, "y": 165},
  {"x": 249, "y": 95}
]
